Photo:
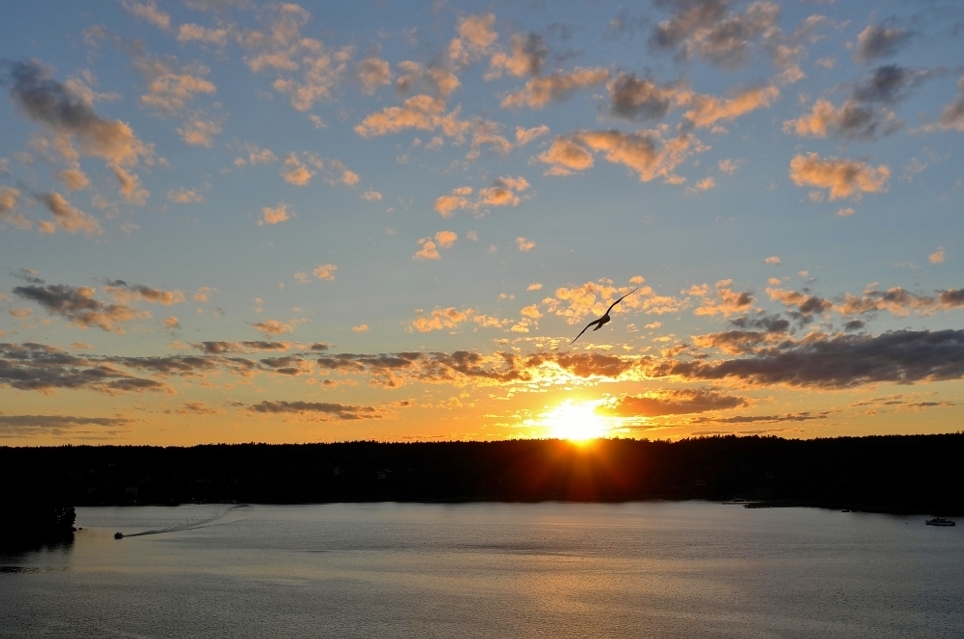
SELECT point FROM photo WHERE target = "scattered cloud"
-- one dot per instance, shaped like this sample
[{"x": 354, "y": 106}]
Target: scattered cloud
[
  {"x": 843, "y": 178},
  {"x": 326, "y": 409},
  {"x": 79, "y": 306},
  {"x": 276, "y": 327},
  {"x": 708, "y": 29},
  {"x": 644, "y": 152},
  {"x": 276, "y": 215},
  {"x": 325, "y": 271},
  {"x": 524, "y": 244},
  {"x": 672, "y": 402},
  {"x": 879, "y": 41},
  {"x": 556, "y": 87},
  {"x": 937, "y": 257},
  {"x": 185, "y": 196}
]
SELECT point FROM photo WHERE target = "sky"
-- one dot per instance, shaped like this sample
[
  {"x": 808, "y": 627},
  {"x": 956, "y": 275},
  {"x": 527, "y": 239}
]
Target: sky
[{"x": 236, "y": 221}]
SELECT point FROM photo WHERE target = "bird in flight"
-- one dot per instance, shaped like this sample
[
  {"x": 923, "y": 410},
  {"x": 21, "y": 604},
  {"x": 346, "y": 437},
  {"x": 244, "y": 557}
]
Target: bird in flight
[{"x": 602, "y": 321}]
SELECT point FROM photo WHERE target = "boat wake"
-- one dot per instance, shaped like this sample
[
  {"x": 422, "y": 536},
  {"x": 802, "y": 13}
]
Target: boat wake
[{"x": 216, "y": 520}]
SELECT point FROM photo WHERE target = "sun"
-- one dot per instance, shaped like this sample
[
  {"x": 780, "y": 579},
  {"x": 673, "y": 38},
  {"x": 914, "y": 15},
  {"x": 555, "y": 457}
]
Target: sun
[{"x": 576, "y": 422}]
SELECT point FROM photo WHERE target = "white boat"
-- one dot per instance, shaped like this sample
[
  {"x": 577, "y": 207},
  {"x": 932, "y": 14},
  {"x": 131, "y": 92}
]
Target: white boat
[{"x": 940, "y": 521}]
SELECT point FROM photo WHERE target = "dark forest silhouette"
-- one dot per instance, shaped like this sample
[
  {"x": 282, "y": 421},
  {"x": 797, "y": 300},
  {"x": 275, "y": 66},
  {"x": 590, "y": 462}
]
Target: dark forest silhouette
[{"x": 916, "y": 473}]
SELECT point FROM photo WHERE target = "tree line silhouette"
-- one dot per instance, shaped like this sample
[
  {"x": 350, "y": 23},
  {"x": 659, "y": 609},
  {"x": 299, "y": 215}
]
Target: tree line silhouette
[{"x": 913, "y": 473}]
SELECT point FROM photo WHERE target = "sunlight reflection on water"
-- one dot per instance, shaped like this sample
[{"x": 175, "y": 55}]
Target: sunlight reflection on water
[{"x": 691, "y": 569}]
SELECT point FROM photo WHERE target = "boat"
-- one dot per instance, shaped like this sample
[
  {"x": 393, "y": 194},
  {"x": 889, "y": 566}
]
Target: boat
[
  {"x": 736, "y": 501},
  {"x": 940, "y": 521},
  {"x": 118, "y": 535}
]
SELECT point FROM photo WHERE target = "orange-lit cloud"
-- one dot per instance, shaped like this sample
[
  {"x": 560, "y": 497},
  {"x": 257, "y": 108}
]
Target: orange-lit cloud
[
  {"x": 644, "y": 152},
  {"x": 557, "y": 87},
  {"x": 70, "y": 218},
  {"x": 843, "y": 178},
  {"x": 276, "y": 215}
]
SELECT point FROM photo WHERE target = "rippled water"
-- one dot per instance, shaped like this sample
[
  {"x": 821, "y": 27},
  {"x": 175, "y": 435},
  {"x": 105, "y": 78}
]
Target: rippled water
[{"x": 691, "y": 569}]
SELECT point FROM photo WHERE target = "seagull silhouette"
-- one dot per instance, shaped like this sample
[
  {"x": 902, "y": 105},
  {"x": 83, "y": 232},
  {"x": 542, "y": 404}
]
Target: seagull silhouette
[{"x": 602, "y": 321}]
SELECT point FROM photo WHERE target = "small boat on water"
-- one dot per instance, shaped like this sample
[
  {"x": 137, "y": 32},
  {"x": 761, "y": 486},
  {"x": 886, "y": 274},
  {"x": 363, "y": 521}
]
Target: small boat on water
[
  {"x": 736, "y": 501},
  {"x": 118, "y": 535},
  {"x": 940, "y": 521}
]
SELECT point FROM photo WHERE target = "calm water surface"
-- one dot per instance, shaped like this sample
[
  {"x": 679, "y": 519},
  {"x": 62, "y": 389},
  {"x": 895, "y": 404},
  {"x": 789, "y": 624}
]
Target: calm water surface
[{"x": 691, "y": 569}]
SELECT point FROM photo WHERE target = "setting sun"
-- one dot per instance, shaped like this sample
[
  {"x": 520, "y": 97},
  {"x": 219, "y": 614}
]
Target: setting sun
[{"x": 576, "y": 421}]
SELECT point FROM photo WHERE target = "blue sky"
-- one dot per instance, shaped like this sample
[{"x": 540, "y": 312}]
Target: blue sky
[{"x": 226, "y": 220}]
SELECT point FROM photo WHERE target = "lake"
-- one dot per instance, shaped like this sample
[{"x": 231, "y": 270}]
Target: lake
[{"x": 655, "y": 569}]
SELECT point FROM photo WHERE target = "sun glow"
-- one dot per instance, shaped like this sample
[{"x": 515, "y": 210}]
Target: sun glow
[{"x": 576, "y": 422}]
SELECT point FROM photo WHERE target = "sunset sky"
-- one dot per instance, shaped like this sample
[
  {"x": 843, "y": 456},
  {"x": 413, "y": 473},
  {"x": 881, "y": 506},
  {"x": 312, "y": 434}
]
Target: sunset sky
[{"x": 233, "y": 221}]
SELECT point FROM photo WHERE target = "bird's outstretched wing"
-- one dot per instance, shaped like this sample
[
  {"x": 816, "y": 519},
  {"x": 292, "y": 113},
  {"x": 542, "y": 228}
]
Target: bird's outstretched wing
[
  {"x": 621, "y": 299},
  {"x": 583, "y": 331}
]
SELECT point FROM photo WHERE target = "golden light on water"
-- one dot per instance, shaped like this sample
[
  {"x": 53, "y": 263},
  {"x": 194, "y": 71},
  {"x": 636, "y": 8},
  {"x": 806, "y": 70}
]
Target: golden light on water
[{"x": 576, "y": 421}]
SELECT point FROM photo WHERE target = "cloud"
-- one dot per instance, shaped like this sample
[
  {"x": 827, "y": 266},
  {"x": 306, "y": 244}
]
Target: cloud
[
  {"x": 937, "y": 257},
  {"x": 147, "y": 10},
  {"x": 878, "y": 41},
  {"x": 325, "y": 271},
  {"x": 439, "y": 81},
  {"x": 476, "y": 36},
  {"x": 275, "y": 215},
  {"x": 185, "y": 195},
  {"x": 524, "y": 245},
  {"x": 26, "y": 425},
  {"x": 417, "y": 112},
  {"x": 901, "y": 302},
  {"x": 361, "y": 328},
  {"x": 70, "y": 117},
  {"x": 863, "y": 115},
  {"x": 69, "y": 218},
  {"x": 36, "y": 367},
  {"x": 523, "y": 136},
  {"x": 276, "y": 327},
  {"x": 196, "y": 408},
  {"x": 727, "y": 302},
  {"x": 709, "y": 30},
  {"x": 644, "y": 152},
  {"x": 190, "y": 32},
  {"x": 218, "y": 348},
  {"x": 333, "y": 411},
  {"x": 171, "y": 323},
  {"x": 306, "y": 71},
  {"x": 428, "y": 250},
  {"x": 527, "y": 54},
  {"x": 295, "y": 171},
  {"x": 672, "y": 402},
  {"x": 953, "y": 115},
  {"x": 371, "y": 195},
  {"x": 637, "y": 99},
  {"x": 8, "y": 208},
  {"x": 839, "y": 361},
  {"x": 78, "y": 306},
  {"x": 705, "y": 111},
  {"x": 557, "y": 87},
  {"x": 843, "y": 178},
  {"x": 256, "y": 155},
  {"x": 74, "y": 179},
  {"x": 449, "y": 318},
  {"x": 806, "y": 305},
  {"x": 121, "y": 291},
  {"x": 503, "y": 192},
  {"x": 169, "y": 91},
  {"x": 373, "y": 73},
  {"x": 446, "y": 239},
  {"x": 535, "y": 286},
  {"x": 773, "y": 259}
]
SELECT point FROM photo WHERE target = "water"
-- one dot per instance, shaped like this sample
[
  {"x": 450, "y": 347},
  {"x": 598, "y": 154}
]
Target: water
[{"x": 691, "y": 569}]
